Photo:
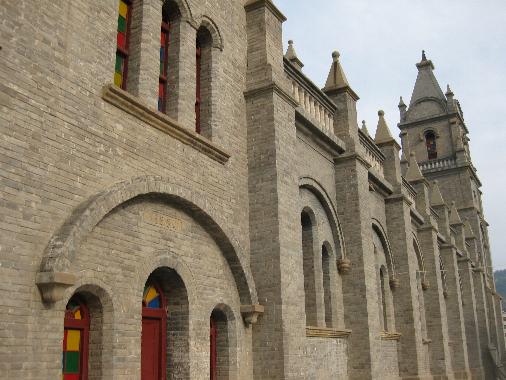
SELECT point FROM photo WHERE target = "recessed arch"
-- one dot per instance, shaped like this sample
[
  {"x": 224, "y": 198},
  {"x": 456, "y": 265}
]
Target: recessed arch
[
  {"x": 183, "y": 8},
  {"x": 208, "y": 24},
  {"x": 318, "y": 190},
  {"x": 62, "y": 248},
  {"x": 378, "y": 228}
]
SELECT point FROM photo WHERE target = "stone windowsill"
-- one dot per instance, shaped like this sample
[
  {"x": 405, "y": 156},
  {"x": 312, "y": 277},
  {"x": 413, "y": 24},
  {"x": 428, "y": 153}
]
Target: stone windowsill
[
  {"x": 324, "y": 332},
  {"x": 132, "y": 105}
]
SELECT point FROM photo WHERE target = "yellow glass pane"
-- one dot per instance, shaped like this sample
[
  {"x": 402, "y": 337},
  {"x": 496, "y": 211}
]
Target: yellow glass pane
[
  {"x": 152, "y": 293},
  {"x": 73, "y": 340},
  {"x": 123, "y": 9},
  {"x": 77, "y": 315},
  {"x": 118, "y": 79}
]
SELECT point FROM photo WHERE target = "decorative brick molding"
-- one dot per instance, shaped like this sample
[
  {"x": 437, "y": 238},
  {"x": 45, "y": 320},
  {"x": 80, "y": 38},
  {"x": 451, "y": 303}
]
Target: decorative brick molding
[
  {"x": 61, "y": 250},
  {"x": 324, "y": 332},
  {"x": 387, "y": 335},
  {"x": 344, "y": 265},
  {"x": 132, "y": 105},
  {"x": 394, "y": 283},
  {"x": 250, "y": 313}
]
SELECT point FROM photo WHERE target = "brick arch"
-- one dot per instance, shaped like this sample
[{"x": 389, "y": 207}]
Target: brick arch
[
  {"x": 319, "y": 191},
  {"x": 207, "y": 23},
  {"x": 184, "y": 9},
  {"x": 61, "y": 250},
  {"x": 380, "y": 231}
]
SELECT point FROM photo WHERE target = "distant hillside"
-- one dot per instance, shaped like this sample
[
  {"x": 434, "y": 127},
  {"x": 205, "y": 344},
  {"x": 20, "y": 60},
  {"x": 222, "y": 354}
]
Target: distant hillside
[{"x": 500, "y": 283}]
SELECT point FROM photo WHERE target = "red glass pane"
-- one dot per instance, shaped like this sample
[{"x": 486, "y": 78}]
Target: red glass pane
[
  {"x": 162, "y": 39},
  {"x": 121, "y": 40}
]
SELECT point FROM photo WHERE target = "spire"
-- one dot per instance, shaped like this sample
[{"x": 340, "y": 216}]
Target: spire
[
  {"x": 426, "y": 85},
  {"x": 382, "y": 132},
  {"x": 454, "y": 215},
  {"x": 468, "y": 230},
  {"x": 291, "y": 55},
  {"x": 402, "y": 109},
  {"x": 413, "y": 173},
  {"x": 436, "y": 199},
  {"x": 364, "y": 128},
  {"x": 336, "y": 78}
]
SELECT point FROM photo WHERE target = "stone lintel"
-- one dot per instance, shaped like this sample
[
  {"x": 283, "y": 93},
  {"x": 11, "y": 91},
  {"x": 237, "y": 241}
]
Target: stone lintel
[{"x": 387, "y": 335}]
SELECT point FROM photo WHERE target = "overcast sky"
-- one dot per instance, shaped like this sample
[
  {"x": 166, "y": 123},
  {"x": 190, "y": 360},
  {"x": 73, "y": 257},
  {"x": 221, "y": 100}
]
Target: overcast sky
[{"x": 380, "y": 42}]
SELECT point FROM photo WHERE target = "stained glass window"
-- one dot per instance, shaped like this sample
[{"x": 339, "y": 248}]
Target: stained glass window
[
  {"x": 164, "y": 61},
  {"x": 430, "y": 141},
  {"x": 151, "y": 298},
  {"x": 121, "y": 67},
  {"x": 198, "y": 100},
  {"x": 75, "y": 341}
]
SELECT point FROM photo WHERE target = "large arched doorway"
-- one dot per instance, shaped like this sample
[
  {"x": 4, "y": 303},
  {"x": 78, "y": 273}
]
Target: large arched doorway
[{"x": 153, "y": 341}]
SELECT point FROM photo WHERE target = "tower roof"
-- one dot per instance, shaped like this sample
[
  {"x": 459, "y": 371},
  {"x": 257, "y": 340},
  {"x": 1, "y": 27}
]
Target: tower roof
[
  {"x": 382, "y": 132},
  {"x": 337, "y": 78},
  {"x": 426, "y": 85}
]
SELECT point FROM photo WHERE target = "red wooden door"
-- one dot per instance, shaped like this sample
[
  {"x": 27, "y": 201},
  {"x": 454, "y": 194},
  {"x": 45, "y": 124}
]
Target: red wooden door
[
  {"x": 213, "y": 350},
  {"x": 150, "y": 349}
]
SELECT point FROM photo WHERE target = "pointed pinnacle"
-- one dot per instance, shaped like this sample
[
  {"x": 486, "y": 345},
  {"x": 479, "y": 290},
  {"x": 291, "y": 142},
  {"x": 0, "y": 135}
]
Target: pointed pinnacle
[
  {"x": 364, "y": 128},
  {"x": 454, "y": 215},
  {"x": 291, "y": 55},
  {"x": 424, "y": 58},
  {"x": 336, "y": 78},
  {"x": 449, "y": 91},
  {"x": 468, "y": 230},
  {"x": 436, "y": 199},
  {"x": 401, "y": 103},
  {"x": 413, "y": 173},
  {"x": 382, "y": 132}
]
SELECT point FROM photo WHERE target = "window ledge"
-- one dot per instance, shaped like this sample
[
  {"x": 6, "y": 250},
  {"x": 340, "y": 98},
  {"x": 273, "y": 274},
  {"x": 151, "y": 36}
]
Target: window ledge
[
  {"x": 387, "y": 335},
  {"x": 324, "y": 332},
  {"x": 132, "y": 105}
]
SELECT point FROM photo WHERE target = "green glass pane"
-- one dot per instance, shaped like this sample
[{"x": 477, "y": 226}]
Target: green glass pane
[
  {"x": 121, "y": 24},
  {"x": 72, "y": 362},
  {"x": 119, "y": 64}
]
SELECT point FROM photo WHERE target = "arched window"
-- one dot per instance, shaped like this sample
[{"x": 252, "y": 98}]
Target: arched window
[
  {"x": 122, "y": 43},
  {"x": 430, "y": 142},
  {"x": 213, "y": 349},
  {"x": 383, "y": 298},
  {"x": 327, "y": 288},
  {"x": 203, "y": 59},
  {"x": 220, "y": 345},
  {"x": 164, "y": 60},
  {"x": 308, "y": 258},
  {"x": 75, "y": 340},
  {"x": 154, "y": 333}
]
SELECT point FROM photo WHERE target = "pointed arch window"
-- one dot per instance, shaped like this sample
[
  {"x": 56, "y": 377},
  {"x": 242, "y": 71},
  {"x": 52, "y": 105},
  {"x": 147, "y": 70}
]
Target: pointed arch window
[
  {"x": 430, "y": 142},
  {"x": 75, "y": 340},
  {"x": 123, "y": 39}
]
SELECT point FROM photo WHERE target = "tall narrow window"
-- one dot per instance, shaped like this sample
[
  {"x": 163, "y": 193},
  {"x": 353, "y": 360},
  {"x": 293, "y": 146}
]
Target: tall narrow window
[
  {"x": 430, "y": 141},
  {"x": 198, "y": 100},
  {"x": 123, "y": 36},
  {"x": 308, "y": 265},
  {"x": 327, "y": 293},
  {"x": 75, "y": 341},
  {"x": 383, "y": 299},
  {"x": 213, "y": 336},
  {"x": 153, "y": 342},
  {"x": 164, "y": 62}
]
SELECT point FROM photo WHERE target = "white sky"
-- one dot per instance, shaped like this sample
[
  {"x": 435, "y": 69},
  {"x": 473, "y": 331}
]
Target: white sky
[{"x": 381, "y": 40}]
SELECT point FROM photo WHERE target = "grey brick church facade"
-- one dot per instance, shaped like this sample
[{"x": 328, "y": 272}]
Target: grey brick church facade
[{"x": 179, "y": 201}]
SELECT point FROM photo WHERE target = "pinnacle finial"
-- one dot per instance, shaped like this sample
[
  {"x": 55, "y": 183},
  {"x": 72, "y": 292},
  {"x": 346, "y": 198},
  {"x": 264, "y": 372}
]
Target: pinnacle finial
[
  {"x": 364, "y": 128},
  {"x": 449, "y": 91},
  {"x": 424, "y": 57},
  {"x": 436, "y": 199},
  {"x": 335, "y": 56},
  {"x": 291, "y": 55},
  {"x": 337, "y": 78},
  {"x": 401, "y": 103},
  {"x": 382, "y": 132},
  {"x": 414, "y": 173}
]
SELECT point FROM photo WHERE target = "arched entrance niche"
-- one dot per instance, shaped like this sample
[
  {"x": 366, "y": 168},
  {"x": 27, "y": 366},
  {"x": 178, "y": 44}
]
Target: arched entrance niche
[{"x": 165, "y": 352}]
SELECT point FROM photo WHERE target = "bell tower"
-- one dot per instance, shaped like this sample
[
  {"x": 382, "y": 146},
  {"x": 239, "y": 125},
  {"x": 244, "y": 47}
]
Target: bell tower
[{"x": 434, "y": 131}]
